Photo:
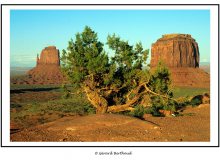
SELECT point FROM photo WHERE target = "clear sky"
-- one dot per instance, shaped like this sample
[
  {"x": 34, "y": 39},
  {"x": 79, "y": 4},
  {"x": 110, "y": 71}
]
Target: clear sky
[{"x": 33, "y": 30}]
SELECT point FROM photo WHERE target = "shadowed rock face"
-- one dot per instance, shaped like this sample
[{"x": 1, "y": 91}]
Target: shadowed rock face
[
  {"x": 50, "y": 55},
  {"x": 177, "y": 50}
]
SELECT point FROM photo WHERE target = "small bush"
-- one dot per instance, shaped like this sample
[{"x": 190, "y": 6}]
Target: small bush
[
  {"x": 89, "y": 109},
  {"x": 138, "y": 112},
  {"x": 195, "y": 102},
  {"x": 153, "y": 110},
  {"x": 61, "y": 115}
]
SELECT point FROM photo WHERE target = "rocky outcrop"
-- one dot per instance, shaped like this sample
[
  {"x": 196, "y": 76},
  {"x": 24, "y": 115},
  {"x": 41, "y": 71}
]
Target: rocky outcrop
[
  {"x": 181, "y": 54},
  {"x": 177, "y": 50},
  {"x": 47, "y": 70},
  {"x": 49, "y": 56}
]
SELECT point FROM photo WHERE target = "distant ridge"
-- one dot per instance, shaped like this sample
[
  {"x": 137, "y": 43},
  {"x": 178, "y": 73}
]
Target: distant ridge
[{"x": 19, "y": 70}]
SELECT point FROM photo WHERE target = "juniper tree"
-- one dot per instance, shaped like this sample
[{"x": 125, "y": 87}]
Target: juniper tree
[{"x": 117, "y": 83}]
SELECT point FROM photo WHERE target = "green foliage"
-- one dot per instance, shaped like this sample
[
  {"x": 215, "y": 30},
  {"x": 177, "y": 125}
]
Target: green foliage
[
  {"x": 90, "y": 109},
  {"x": 195, "y": 102},
  {"x": 152, "y": 110},
  {"x": 129, "y": 63},
  {"x": 86, "y": 64},
  {"x": 138, "y": 112},
  {"x": 85, "y": 56},
  {"x": 190, "y": 91},
  {"x": 160, "y": 82},
  {"x": 66, "y": 92}
]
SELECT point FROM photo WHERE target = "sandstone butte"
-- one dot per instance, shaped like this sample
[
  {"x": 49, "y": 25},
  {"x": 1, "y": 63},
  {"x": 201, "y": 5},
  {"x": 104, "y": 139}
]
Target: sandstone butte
[
  {"x": 49, "y": 56},
  {"x": 180, "y": 53},
  {"x": 48, "y": 67}
]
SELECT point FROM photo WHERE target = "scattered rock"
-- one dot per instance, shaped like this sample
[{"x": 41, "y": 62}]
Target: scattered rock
[
  {"x": 70, "y": 129},
  {"x": 180, "y": 140},
  {"x": 166, "y": 113}
]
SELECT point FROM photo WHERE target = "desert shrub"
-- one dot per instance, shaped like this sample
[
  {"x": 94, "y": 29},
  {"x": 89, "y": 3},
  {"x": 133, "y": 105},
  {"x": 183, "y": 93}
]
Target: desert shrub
[
  {"x": 89, "y": 109},
  {"x": 195, "y": 102},
  {"x": 152, "y": 110},
  {"x": 60, "y": 115},
  {"x": 138, "y": 112}
]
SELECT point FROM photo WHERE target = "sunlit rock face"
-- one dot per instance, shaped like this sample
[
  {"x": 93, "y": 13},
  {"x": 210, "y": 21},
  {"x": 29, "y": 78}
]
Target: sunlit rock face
[
  {"x": 177, "y": 50},
  {"x": 48, "y": 66},
  {"x": 49, "y": 55},
  {"x": 181, "y": 55}
]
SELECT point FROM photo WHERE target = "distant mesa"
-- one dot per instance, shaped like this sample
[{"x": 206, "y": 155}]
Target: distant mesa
[
  {"x": 49, "y": 56},
  {"x": 180, "y": 53},
  {"x": 177, "y": 50},
  {"x": 47, "y": 70}
]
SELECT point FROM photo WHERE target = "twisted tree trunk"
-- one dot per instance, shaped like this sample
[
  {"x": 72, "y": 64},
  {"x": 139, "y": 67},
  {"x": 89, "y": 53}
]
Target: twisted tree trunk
[
  {"x": 97, "y": 100},
  {"x": 101, "y": 103}
]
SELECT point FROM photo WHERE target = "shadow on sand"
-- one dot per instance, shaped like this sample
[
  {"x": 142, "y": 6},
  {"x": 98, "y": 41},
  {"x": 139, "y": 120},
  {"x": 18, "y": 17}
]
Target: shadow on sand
[{"x": 32, "y": 90}]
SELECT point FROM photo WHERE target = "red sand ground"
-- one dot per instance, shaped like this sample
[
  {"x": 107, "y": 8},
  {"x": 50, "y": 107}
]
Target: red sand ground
[{"x": 192, "y": 127}]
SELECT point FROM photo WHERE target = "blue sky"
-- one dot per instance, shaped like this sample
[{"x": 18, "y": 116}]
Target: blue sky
[{"x": 33, "y": 30}]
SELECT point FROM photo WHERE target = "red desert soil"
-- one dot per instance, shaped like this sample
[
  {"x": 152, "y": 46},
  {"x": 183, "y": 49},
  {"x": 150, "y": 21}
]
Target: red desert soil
[{"x": 194, "y": 126}]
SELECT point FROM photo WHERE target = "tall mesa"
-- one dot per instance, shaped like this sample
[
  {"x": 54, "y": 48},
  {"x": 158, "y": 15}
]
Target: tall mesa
[{"x": 177, "y": 50}]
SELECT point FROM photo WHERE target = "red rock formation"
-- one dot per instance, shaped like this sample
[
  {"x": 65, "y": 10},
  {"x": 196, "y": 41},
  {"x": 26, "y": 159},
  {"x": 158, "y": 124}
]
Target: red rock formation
[
  {"x": 47, "y": 70},
  {"x": 181, "y": 54},
  {"x": 50, "y": 55},
  {"x": 177, "y": 50}
]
